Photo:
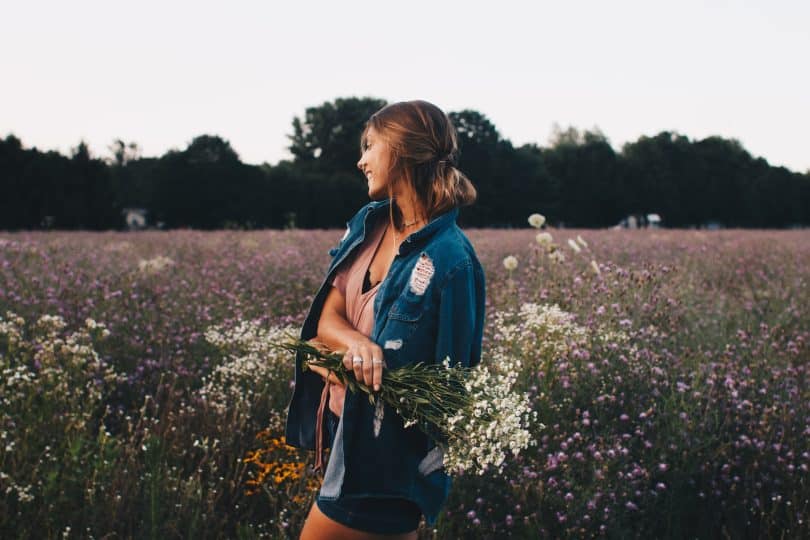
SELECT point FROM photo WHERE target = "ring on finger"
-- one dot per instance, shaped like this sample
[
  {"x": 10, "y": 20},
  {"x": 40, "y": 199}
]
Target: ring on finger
[
  {"x": 376, "y": 361},
  {"x": 357, "y": 360}
]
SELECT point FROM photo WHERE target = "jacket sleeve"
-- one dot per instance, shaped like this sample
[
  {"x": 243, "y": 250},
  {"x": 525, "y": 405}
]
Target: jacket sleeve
[{"x": 461, "y": 315}]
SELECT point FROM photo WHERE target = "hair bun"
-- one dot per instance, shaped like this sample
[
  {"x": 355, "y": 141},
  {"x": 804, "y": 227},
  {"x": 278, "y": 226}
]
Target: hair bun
[{"x": 449, "y": 159}]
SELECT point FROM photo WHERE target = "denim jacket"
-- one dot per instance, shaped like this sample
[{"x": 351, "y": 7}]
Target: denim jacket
[{"x": 429, "y": 306}]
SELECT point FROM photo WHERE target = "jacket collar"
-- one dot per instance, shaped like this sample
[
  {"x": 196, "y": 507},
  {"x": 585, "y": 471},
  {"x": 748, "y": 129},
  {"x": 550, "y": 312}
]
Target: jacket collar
[{"x": 421, "y": 236}]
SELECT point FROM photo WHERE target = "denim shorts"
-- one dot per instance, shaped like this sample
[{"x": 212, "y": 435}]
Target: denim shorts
[
  {"x": 370, "y": 514},
  {"x": 373, "y": 514}
]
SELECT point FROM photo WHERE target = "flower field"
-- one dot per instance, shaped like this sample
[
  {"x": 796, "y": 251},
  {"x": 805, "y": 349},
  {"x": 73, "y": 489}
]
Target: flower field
[{"x": 668, "y": 370}]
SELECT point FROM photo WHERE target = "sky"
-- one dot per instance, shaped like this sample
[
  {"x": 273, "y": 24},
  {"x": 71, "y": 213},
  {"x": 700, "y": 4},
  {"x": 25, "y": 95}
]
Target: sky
[{"x": 161, "y": 73}]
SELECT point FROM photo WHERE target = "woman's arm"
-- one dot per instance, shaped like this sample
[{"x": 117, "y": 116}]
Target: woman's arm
[{"x": 337, "y": 333}]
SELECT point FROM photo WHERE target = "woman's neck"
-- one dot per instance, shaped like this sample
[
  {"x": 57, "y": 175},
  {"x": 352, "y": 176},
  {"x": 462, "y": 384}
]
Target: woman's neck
[{"x": 410, "y": 217}]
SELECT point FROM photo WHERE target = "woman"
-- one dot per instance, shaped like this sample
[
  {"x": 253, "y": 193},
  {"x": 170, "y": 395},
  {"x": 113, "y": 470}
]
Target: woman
[{"x": 404, "y": 286}]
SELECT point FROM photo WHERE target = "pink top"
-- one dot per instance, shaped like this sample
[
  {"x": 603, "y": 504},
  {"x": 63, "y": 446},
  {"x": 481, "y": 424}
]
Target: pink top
[{"x": 349, "y": 281}]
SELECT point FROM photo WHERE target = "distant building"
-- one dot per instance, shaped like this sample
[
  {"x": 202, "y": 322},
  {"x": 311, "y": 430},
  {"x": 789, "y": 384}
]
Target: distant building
[
  {"x": 135, "y": 218},
  {"x": 639, "y": 221},
  {"x": 713, "y": 225}
]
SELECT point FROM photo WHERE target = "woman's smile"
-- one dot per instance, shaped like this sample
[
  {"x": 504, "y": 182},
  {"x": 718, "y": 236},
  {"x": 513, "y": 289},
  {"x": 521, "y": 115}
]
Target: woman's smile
[{"x": 374, "y": 163}]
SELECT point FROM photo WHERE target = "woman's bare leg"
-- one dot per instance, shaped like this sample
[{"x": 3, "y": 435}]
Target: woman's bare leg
[{"x": 320, "y": 527}]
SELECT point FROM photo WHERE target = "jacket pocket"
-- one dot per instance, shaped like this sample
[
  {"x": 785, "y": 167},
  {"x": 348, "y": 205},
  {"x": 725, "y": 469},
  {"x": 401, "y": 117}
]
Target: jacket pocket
[
  {"x": 405, "y": 317},
  {"x": 408, "y": 307}
]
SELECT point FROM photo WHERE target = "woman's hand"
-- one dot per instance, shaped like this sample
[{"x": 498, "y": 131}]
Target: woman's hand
[
  {"x": 365, "y": 359},
  {"x": 322, "y": 371}
]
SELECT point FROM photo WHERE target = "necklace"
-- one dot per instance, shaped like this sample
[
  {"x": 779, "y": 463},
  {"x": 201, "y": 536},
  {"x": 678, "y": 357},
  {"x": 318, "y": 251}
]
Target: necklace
[{"x": 404, "y": 226}]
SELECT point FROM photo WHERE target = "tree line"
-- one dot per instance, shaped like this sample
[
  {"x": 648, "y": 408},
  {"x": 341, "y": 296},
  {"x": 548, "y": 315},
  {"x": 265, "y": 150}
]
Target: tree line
[{"x": 578, "y": 180}]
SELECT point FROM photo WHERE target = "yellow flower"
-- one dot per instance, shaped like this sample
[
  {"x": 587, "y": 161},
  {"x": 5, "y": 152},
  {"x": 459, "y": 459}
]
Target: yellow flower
[{"x": 275, "y": 460}]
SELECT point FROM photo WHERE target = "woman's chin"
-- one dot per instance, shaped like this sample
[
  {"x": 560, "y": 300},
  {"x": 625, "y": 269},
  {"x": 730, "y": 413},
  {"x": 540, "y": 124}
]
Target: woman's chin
[{"x": 376, "y": 194}]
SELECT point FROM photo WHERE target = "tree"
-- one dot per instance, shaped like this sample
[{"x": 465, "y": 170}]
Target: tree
[
  {"x": 661, "y": 175},
  {"x": 586, "y": 171},
  {"x": 210, "y": 149},
  {"x": 206, "y": 186},
  {"x": 123, "y": 153},
  {"x": 474, "y": 129},
  {"x": 479, "y": 154},
  {"x": 328, "y": 137}
]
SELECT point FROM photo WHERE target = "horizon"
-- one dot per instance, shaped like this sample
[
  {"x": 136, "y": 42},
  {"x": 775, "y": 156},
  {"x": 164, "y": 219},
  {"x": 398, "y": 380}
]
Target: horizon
[{"x": 108, "y": 154}]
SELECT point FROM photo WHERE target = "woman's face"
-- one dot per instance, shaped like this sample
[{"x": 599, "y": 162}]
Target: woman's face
[{"x": 374, "y": 164}]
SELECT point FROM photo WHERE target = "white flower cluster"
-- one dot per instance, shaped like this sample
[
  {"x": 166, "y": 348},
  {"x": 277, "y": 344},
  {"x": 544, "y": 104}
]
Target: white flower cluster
[
  {"x": 155, "y": 264},
  {"x": 54, "y": 350},
  {"x": 536, "y": 331},
  {"x": 537, "y": 220},
  {"x": 92, "y": 324},
  {"x": 252, "y": 362},
  {"x": 608, "y": 335},
  {"x": 544, "y": 238},
  {"x": 42, "y": 370},
  {"x": 248, "y": 243},
  {"x": 547, "y": 243},
  {"x": 12, "y": 329},
  {"x": 119, "y": 247},
  {"x": 23, "y": 492},
  {"x": 555, "y": 254},
  {"x": 496, "y": 422},
  {"x": 510, "y": 262},
  {"x": 499, "y": 417},
  {"x": 51, "y": 325}
]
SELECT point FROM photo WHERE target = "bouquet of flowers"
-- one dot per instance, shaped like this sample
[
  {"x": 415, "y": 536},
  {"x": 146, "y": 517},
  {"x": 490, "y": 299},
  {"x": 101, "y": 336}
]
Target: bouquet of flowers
[{"x": 472, "y": 413}]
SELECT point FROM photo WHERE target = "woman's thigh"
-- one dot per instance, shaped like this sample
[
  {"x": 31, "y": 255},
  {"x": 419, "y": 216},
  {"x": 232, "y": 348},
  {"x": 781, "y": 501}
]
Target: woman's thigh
[{"x": 320, "y": 527}]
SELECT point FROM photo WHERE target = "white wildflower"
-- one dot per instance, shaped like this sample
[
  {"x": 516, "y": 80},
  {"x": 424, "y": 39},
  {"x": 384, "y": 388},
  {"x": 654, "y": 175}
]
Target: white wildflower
[
  {"x": 537, "y": 220},
  {"x": 496, "y": 422},
  {"x": 473, "y": 414},
  {"x": 118, "y": 247},
  {"x": 251, "y": 364},
  {"x": 574, "y": 245},
  {"x": 543, "y": 238},
  {"x": 533, "y": 331},
  {"x": 67, "y": 375},
  {"x": 155, "y": 264},
  {"x": 510, "y": 262}
]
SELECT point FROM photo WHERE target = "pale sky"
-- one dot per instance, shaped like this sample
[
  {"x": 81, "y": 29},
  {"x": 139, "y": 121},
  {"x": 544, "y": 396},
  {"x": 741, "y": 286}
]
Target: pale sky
[{"x": 161, "y": 73}]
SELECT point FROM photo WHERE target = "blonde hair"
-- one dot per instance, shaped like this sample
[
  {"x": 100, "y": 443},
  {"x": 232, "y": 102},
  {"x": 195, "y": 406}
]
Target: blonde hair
[{"x": 424, "y": 153}]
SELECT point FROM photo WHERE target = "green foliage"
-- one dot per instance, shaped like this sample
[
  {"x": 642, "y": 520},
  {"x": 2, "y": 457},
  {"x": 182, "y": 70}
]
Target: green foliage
[
  {"x": 327, "y": 139},
  {"x": 578, "y": 180}
]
